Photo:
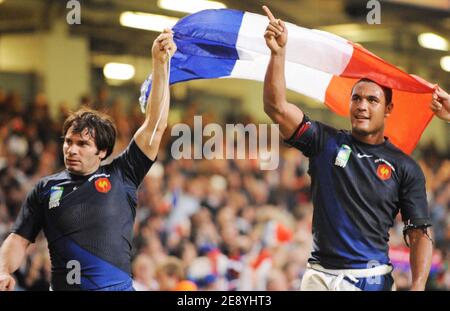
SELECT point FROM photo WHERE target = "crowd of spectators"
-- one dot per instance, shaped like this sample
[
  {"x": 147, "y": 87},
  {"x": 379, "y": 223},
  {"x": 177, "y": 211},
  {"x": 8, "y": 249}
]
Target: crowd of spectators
[{"x": 201, "y": 224}]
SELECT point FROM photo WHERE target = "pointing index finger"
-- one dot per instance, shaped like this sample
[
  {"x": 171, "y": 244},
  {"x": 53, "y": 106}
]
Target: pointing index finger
[{"x": 268, "y": 13}]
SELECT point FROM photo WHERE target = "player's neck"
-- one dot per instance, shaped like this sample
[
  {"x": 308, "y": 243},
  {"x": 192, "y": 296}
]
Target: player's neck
[
  {"x": 370, "y": 139},
  {"x": 83, "y": 174}
]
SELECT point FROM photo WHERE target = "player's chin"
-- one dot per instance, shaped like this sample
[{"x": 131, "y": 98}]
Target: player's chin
[
  {"x": 73, "y": 167},
  {"x": 361, "y": 129}
]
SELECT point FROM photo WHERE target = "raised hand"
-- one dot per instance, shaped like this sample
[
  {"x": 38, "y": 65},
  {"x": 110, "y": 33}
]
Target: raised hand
[
  {"x": 163, "y": 46},
  {"x": 276, "y": 33},
  {"x": 440, "y": 104}
]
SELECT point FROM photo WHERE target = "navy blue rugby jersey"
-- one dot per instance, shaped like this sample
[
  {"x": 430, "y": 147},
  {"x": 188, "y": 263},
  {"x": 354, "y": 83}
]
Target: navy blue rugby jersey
[
  {"x": 88, "y": 219},
  {"x": 357, "y": 191}
]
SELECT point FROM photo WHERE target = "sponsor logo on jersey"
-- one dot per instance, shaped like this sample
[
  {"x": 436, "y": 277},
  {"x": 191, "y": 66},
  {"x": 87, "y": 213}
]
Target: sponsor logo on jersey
[
  {"x": 98, "y": 175},
  {"x": 103, "y": 185},
  {"x": 55, "y": 195},
  {"x": 384, "y": 171},
  {"x": 343, "y": 156}
]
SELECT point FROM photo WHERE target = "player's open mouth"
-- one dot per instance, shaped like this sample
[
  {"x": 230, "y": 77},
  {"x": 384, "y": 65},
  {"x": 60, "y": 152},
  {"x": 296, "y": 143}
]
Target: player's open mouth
[{"x": 361, "y": 117}]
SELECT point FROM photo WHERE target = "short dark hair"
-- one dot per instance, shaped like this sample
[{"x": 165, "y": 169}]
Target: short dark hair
[
  {"x": 386, "y": 90},
  {"x": 100, "y": 126}
]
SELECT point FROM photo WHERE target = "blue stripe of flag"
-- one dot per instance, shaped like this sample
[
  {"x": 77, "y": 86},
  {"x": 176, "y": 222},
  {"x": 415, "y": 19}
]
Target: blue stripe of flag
[{"x": 206, "y": 47}]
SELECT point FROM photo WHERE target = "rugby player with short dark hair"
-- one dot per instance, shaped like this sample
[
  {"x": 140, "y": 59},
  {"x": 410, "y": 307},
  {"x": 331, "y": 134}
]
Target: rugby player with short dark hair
[
  {"x": 359, "y": 181},
  {"x": 87, "y": 211}
]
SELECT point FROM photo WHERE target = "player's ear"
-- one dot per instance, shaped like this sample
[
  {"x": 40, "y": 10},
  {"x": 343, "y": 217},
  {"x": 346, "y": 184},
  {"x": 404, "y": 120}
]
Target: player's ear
[
  {"x": 389, "y": 108},
  {"x": 101, "y": 154}
]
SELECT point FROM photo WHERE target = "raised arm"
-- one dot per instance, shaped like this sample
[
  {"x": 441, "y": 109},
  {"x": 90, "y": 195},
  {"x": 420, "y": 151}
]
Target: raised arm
[
  {"x": 420, "y": 257},
  {"x": 287, "y": 115},
  {"x": 12, "y": 254},
  {"x": 148, "y": 136}
]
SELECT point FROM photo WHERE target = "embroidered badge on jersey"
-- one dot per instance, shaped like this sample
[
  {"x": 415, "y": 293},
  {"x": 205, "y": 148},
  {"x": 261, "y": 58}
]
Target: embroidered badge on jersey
[
  {"x": 103, "y": 185},
  {"x": 55, "y": 195},
  {"x": 343, "y": 156},
  {"x": 384, "y": 171}
]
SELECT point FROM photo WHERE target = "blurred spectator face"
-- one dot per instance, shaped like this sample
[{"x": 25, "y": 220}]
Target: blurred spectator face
[
  {"x": 197, "y": 187},
  {"x": 234, "y": 180},
  {"x": 243, "y": 244},
  {"x": 17, "y": 145},
  {"x": 277, "y": 281},
  {"x": 292, "y": 272},
  {"x": 154, "y": 248},
  {"x": 237, "y": 199},
  {"x": 81, "y": 155},
  {"x": 176, "y": 182},
  {"x": 201, "y": 270},
  {"x": 226, "y": 217},
  {"x": 14, "y": 102},
  {"x": 40, "y": 100},
  {"x": 217, "y": 191},
  {"x": 249, "y": 214},
  {"x": 188, "y": 254},
  {"x": 40, "y": 108},
  {"x": 260, "y": 192},
  {"x": 143, "y": 271},
  {"x": 229, "y": 234},
  {"x": 169, "y": 274},
  {"x": 151, "y": 193}
]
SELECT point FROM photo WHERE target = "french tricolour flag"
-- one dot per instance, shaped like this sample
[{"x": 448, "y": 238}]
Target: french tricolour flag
[{"x": 230, "y": 44}]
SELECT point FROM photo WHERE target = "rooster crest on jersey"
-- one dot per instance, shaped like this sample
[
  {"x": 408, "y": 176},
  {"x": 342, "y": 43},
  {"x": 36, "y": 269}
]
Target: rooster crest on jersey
[
  {"x": 384, "y": 171},
  {"x": 103, "y": 185}
]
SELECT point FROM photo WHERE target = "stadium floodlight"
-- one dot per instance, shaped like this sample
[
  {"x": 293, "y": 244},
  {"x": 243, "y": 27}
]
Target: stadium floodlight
[
  {"x": 433, "y": 41},
  {"x": 118, "y": 71},
  {"x": 191, "y": 6},
  {"x": 445, "y": 63},
  {"x": 147, "y": 21}
]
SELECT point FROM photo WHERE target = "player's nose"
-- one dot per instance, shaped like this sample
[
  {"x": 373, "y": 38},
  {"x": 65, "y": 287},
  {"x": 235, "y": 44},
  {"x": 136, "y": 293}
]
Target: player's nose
[
  {"x": 362, "y": 104},
  {"x": 72, "y": 149}
]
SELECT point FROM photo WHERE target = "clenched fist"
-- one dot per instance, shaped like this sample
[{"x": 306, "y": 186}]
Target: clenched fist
[{"x": 164, "y": 46}]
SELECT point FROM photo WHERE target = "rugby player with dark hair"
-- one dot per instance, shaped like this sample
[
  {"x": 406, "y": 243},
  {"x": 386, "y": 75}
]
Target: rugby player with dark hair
[
  {"x": 87, "y": 211},
  {"x": 359, "y": 181}
]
